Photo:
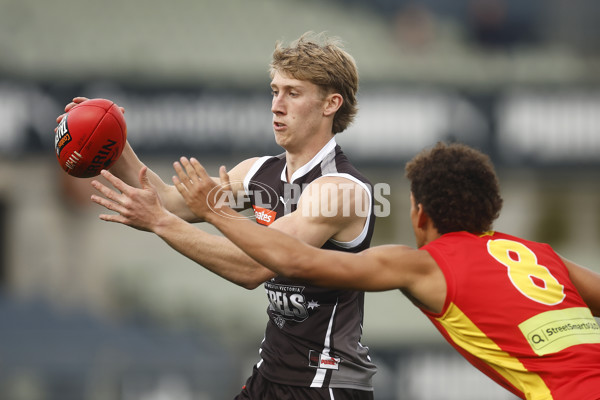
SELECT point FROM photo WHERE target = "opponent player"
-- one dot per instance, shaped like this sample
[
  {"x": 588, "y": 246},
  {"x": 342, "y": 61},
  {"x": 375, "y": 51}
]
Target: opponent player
[
  {"x": 512, "y": 307},
  {"x": 311, "y": 348}
]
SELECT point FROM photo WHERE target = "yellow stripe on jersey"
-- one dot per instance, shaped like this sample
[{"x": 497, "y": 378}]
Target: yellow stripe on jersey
[
  {"x": 553, "y": 331},
  {"x": 467, "y": 335}
]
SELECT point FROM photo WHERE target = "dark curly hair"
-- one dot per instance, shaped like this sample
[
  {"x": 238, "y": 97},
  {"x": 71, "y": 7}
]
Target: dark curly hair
[{"x": 457, "y": 187}]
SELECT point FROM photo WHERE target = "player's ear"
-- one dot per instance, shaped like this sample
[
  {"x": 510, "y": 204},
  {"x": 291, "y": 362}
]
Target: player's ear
[
  {"x": 333, "y": 103},
  {"x": 422, "y": 217}
]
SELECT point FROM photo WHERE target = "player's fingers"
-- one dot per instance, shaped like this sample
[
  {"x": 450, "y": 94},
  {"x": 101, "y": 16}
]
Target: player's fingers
[
  {"x": 224, "y": 176},
  {"x": 144, "y": 180},
  {"x": 101, "y": 201},
  {"x": 69, "y": 106},
  {"x": 199, "y": 169},
  {"x": 74, "y": 102},
  {"x": 181, "y": 188},
  {"x": 189, "y": 169},
  {"x": 115, "y": 218},
  {"x": 116, "y": 182},
  {"x": 108, "y": 192},
  {"x": 109, "y": 205},
  {"x": 182, "y": 177},
  {"x": 59, "y": 118}
]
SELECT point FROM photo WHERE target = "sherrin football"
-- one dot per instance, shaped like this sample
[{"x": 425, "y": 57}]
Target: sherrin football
[{"x": 90, "y": 137}]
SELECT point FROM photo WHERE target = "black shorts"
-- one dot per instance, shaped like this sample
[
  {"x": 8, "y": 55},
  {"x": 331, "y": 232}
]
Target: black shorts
[{"x": 259, "y": 388}]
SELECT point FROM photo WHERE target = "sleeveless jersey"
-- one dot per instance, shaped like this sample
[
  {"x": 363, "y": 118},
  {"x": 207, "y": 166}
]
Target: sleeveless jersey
[
  {"x": 513, "y": 312},
  {"x": 313, "y": 335}
]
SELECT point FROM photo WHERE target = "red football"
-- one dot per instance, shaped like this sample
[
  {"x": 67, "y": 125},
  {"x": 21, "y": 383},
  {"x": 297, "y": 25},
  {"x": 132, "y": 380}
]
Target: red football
[{"x": 90, "y": 138}]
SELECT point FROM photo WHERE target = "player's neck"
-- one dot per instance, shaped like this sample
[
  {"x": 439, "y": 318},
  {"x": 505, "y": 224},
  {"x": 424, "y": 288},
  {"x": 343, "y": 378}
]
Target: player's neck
[{"x": 296, "y": 159}]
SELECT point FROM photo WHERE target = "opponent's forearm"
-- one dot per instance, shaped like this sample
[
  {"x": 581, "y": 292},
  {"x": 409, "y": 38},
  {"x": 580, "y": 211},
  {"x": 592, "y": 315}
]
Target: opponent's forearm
[
  {"x": 286, "y": 256},
  {"x": 215, "y": 253}
]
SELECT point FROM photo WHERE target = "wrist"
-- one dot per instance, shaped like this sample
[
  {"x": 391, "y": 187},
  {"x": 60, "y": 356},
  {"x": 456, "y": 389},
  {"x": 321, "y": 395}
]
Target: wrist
[
  {"x": 165, "y": 222},
  {"x": 222, "y": 218},
  {"x": 214, "y": 217}
]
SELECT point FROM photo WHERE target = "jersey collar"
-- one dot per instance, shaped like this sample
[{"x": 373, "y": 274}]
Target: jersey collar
[{"x": 303, "y": 170}]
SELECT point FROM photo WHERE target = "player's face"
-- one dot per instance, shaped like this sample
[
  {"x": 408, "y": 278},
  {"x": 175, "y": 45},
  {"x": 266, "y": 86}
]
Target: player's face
[{"x": 297, "y": 108}]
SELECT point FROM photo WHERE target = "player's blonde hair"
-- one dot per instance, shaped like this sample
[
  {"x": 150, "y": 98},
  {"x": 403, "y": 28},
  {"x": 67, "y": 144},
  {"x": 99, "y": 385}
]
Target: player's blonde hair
[{"x": 321, "y": 60}]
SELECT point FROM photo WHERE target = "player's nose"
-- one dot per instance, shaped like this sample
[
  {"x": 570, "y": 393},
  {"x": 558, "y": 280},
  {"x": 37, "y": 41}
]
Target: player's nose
[{"x": 278, "y": 105}]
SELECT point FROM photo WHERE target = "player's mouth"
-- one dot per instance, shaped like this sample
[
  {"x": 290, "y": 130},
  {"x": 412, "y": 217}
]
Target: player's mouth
[{"x": 278, "y": 126}]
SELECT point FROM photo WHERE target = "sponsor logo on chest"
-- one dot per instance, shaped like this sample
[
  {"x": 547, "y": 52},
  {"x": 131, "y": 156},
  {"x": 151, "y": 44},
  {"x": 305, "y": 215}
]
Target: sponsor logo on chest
[{"x": 264, "y": 216}]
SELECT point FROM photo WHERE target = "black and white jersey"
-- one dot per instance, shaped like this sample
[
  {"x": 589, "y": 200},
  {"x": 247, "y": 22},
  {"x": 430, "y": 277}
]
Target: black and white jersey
[{"x": 313, "y": 335}]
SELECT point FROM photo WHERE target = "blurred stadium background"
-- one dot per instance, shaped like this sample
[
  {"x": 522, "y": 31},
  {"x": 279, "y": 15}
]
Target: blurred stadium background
[{"x": 97, "y": 311}]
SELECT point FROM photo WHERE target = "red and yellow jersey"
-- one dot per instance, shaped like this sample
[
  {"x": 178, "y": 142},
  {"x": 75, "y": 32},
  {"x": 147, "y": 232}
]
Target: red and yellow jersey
[{"x": 513, "y": 312}]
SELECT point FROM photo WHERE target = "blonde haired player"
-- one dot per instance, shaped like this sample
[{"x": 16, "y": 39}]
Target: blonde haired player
[{"x": 311, "y": 348}]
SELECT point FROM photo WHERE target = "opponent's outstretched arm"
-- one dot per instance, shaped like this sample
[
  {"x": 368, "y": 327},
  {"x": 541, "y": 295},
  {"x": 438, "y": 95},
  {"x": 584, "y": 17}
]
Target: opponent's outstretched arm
[{"x": 376, "y": 269}]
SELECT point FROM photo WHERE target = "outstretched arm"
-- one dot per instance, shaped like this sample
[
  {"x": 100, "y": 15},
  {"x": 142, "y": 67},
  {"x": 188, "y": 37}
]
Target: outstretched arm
[
  {"x": 376, "y": 269},
  {"x": 128, "y": 167},
  {"x": 142, "y": 208}
]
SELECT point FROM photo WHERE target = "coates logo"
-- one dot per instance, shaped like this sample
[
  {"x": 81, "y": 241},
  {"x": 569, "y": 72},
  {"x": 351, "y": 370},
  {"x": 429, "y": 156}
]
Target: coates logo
[
  {"x": 264, "y": 216},
  {"x": 264, "y": 198}
]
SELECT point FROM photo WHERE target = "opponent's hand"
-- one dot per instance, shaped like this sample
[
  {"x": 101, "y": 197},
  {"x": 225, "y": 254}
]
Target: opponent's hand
[
  {"x": 138, "y": 208},
  {"x": 76, "y": 100},
  {"x": 201, "y": 194}
]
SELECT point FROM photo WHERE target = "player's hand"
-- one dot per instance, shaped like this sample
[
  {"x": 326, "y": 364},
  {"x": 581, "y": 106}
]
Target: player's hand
[
  {"x": 73, "y": 103},
  {"x": 139, "y": 208},
  {"x": 200, "y": 192}
]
